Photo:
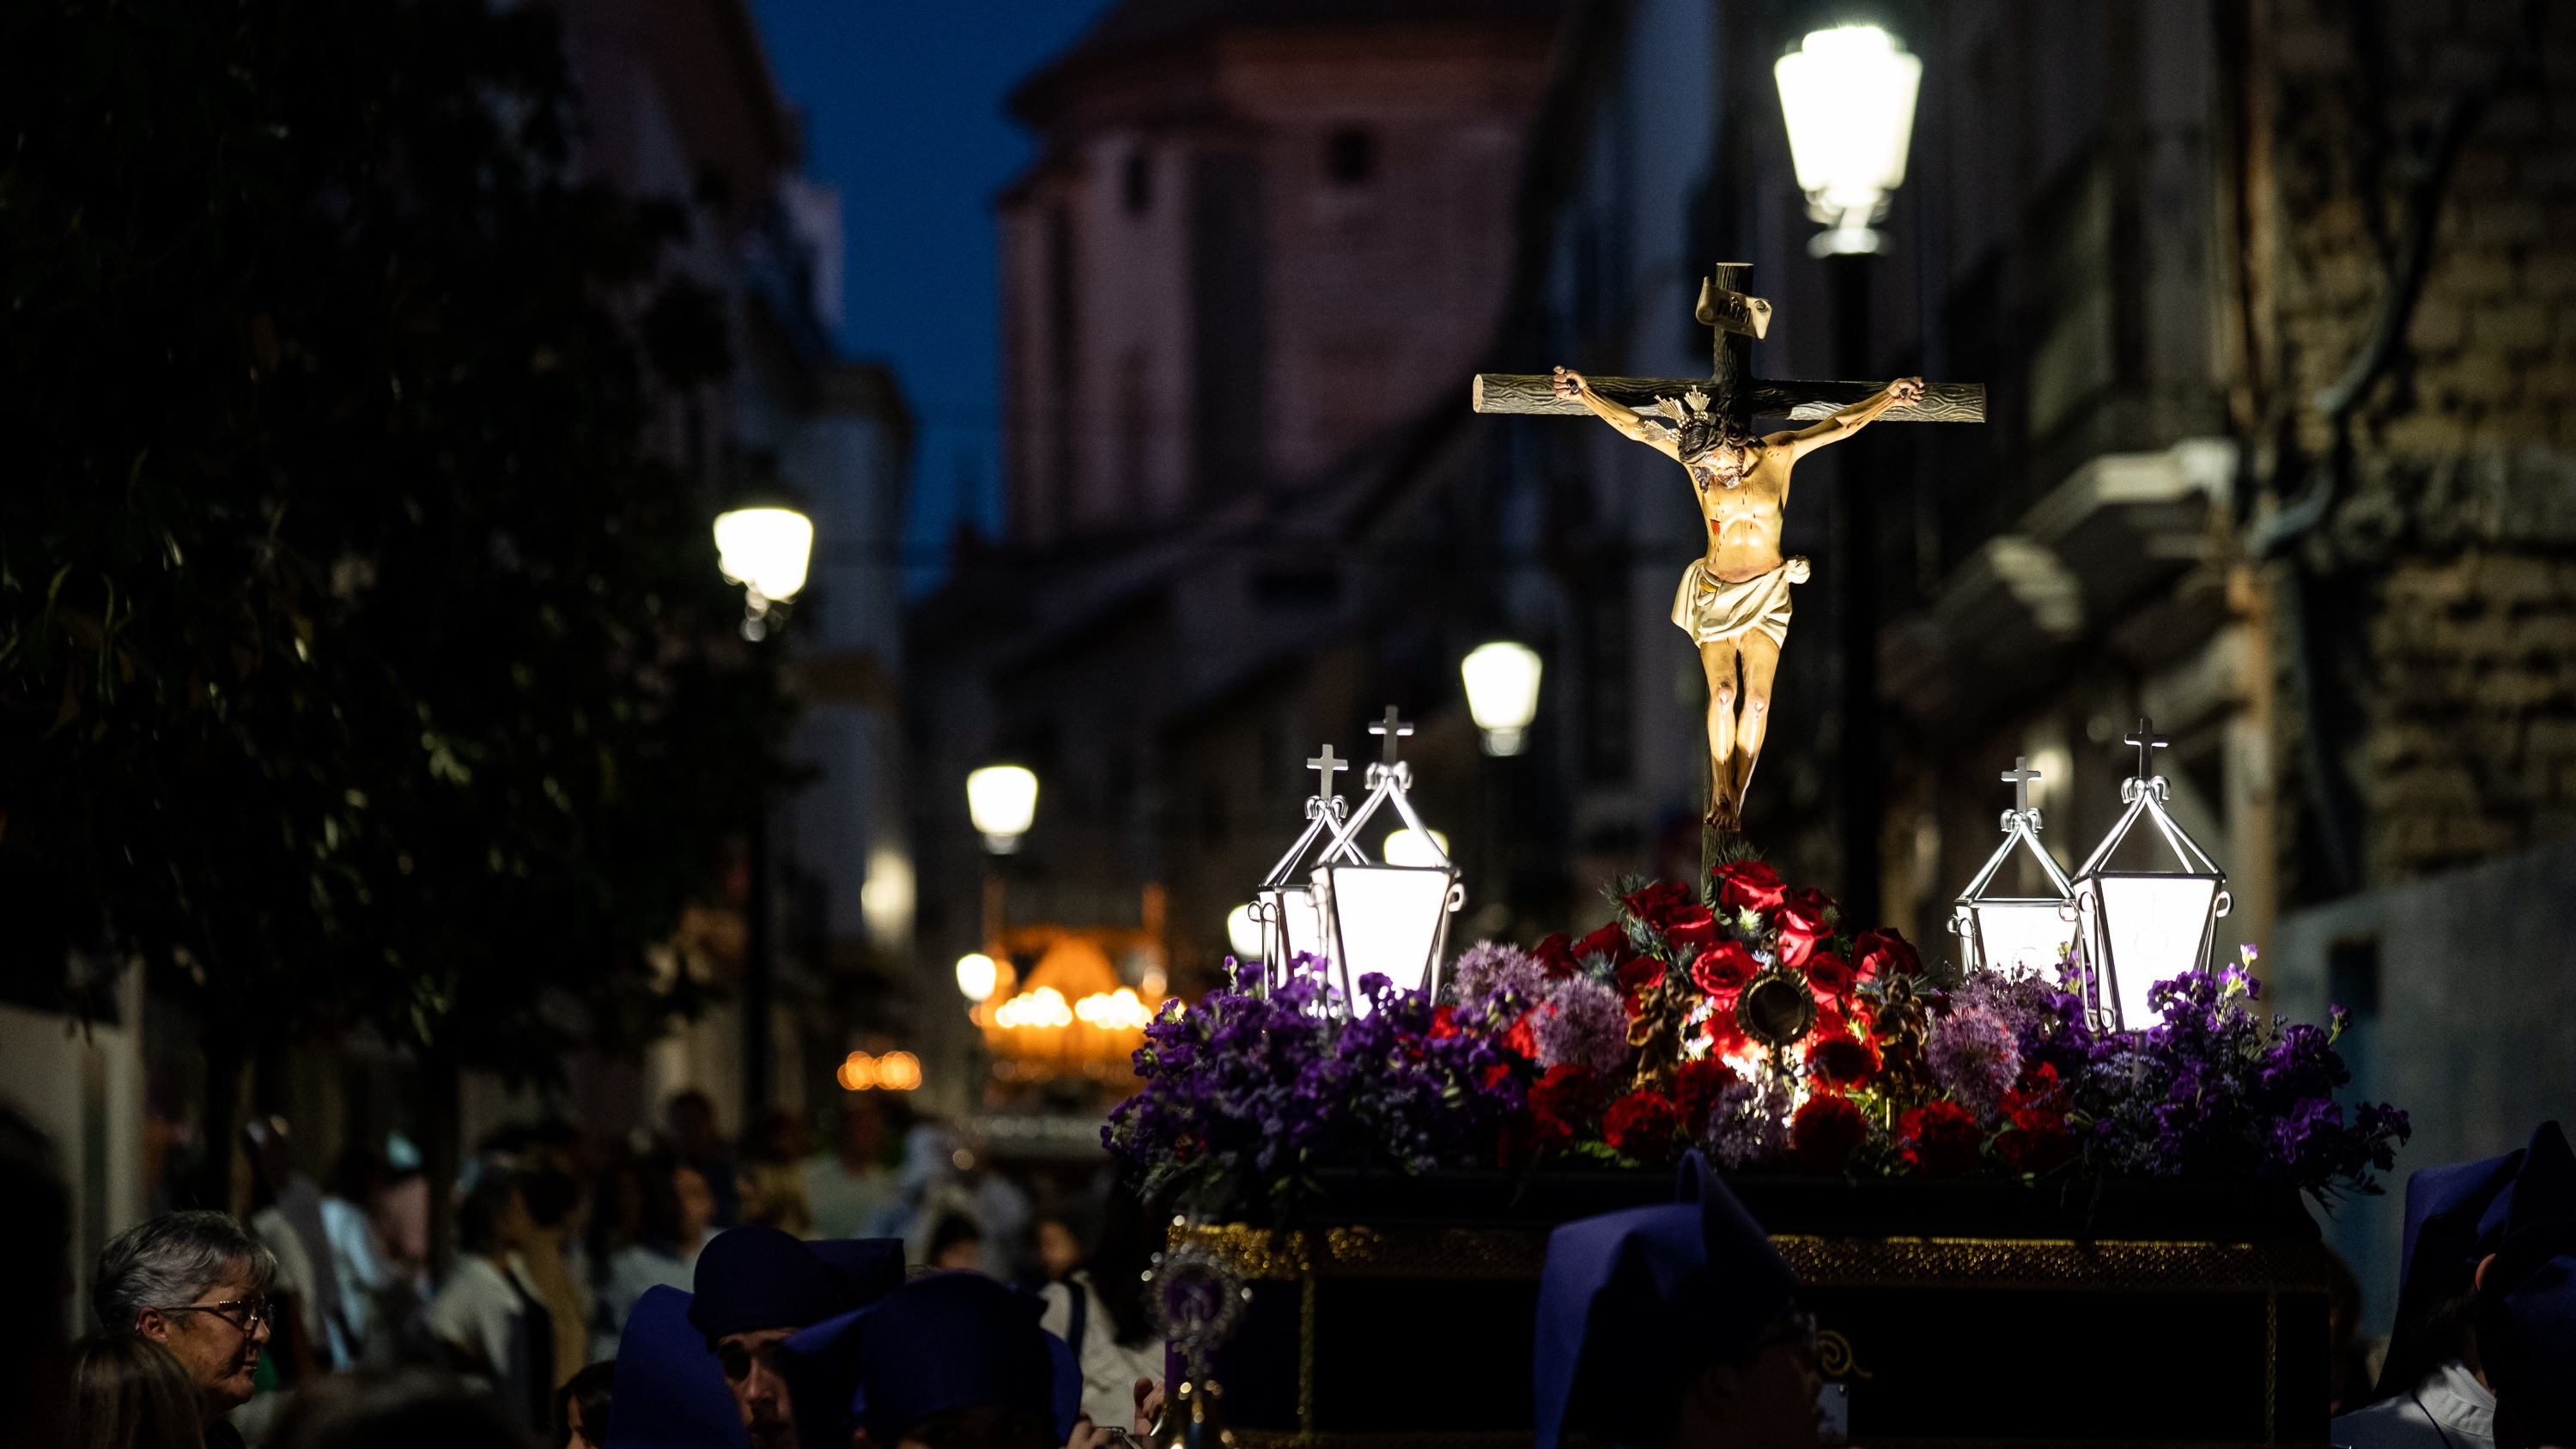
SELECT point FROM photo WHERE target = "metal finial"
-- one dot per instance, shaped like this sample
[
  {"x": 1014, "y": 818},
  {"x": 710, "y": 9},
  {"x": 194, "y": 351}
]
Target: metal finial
[
  {"x": 2019, "y": 777},
  {"x": 1325, "y": 768},
  {"x": 2146, "y": 739},
  {"x": 1391, "y": 729}
]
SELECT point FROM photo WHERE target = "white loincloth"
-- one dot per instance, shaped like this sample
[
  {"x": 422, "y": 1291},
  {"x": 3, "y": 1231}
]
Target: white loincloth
[{"x": 1711, "y": 609}]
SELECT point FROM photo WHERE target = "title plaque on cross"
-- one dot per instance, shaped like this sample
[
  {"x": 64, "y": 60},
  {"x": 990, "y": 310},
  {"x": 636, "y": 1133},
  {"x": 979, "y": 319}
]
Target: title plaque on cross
[{"x": 1734, "y": 602}]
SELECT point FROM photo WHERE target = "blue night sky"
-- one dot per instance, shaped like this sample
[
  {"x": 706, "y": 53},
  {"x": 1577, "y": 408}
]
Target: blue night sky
[{"x": 903, "y": 113}]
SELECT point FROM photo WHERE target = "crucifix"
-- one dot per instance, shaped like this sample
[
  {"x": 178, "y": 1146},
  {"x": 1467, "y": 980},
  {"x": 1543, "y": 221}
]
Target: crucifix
[
  {"x": 2019, "y": 777},
  {"x": 1734, "y": 602},
  {"x": 2147, "y": 741}
]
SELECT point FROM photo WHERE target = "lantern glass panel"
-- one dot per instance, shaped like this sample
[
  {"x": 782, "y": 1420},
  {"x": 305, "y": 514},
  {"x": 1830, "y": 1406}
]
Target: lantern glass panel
[
  {"x": 2020, "y": 938},
  {"x": 1293, "y": 913},
  {"x": 1387, "y": 919},
  {"x": 2156, "y": 927}
]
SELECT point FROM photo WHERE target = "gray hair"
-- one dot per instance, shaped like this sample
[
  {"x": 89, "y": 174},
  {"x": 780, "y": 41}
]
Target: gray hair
[{"x": 170, "y": 1261}]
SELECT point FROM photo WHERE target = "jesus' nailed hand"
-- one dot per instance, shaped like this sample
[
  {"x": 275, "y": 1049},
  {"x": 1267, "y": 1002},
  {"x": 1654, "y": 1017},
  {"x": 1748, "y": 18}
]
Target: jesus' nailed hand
[{"x": 1734, "y": 602}]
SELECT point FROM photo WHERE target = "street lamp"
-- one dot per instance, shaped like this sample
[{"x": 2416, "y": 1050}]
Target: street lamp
[
  {"x": 766, "y": 551},
  {"x": 977, "y": 974},
  {"x": 1502, "y": 693},
  {"x": 1848, "y": 96},
  {"x": 1003, "y": 800}
]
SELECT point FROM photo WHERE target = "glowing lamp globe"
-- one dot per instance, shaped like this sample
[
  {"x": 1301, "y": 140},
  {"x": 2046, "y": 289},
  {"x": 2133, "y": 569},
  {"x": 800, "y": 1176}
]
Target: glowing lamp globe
[
  {"x": 1243, "y": 933},
  {"x": 765, "y": 549},
  {"x": 1502, "y": 693},
  {"x": 1409, "y": 847},
  {"x": 976, "y": 975},
  {"x": 1003, "y": 801},
  {"x": 1848, "y": 97}
]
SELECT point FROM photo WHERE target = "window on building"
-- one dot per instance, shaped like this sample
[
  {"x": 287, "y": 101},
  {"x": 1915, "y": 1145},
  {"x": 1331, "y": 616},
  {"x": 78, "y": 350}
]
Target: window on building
[
  {"x": 1137, "y": 182},
  {"x": 1350, "y": 156}
]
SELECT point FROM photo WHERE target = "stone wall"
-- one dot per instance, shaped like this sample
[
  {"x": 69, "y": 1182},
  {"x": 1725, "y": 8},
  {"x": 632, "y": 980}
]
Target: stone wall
[{"x": 2443, "y": 580}]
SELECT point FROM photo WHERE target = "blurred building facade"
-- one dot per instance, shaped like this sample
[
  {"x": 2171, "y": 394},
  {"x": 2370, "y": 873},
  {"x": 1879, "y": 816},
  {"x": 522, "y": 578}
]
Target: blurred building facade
[{"x": 1259, "y": 244}]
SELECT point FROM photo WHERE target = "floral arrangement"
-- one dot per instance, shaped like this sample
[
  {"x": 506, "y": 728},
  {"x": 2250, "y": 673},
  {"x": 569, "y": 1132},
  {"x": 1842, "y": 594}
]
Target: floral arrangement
[{"x": 1626, "y": 1047}]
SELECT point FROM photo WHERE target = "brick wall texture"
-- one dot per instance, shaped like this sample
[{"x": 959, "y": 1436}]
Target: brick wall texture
[{"x": 2446, "y": 574}]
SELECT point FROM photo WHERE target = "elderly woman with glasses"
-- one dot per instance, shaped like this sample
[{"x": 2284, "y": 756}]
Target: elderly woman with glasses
[{"x": 196, "y": 1283}]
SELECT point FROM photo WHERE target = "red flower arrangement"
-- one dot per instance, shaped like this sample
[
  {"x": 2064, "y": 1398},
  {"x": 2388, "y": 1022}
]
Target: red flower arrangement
[
  {"x": 1940, "y": 1138},
  {"x": 1640, "y": 1126},
  {"x": 1842, "y": 1060},
  {"x": 1826, "y": 1131}
]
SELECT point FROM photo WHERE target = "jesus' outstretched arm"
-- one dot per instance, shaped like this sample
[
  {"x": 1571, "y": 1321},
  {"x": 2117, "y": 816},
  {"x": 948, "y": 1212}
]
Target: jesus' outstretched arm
[
  {"x": 1847, "y": 421},
  {"x": 1569, "y": 383}
]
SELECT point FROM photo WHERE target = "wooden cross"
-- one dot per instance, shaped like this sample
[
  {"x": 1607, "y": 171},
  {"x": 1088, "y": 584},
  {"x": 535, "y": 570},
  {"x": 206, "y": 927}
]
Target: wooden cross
[
  {"x": 2146, "y": 739},
  {"x": 1739, "y": 319},
  {"x": 1325, "y": 768},
  {"x": 2019, "y": 777},
  {"x": 1392, "y": 728}
]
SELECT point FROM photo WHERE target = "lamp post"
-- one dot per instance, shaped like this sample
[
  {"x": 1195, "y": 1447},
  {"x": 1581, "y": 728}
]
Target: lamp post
[
  {"x": 766, "y": 551},
  {"x": 1003, "y": 802},
  {"x": 1847, "y": 95},
  {"x": 1502, "y": 693}
]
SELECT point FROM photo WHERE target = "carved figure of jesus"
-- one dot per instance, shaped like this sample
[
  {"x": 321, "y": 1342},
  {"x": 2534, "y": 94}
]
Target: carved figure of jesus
[{"x": 1734, "y": 602}]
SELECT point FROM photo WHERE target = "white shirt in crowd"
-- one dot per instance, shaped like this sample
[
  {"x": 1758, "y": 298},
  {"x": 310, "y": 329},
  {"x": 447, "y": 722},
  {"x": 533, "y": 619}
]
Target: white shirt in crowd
[
  {"x": 2449, "y": 1410},
  {"x": 1110, "y": 1369},
  {"x": 637, "y": 1267},
  {"x": 846, "y": 1204},
  {"x": 480, "y": 1308}
]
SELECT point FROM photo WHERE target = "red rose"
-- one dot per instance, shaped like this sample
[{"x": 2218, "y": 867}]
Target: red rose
[
  {"x": 1640, "y": 974},
  {"x": 1656, "y": 900},
  {"x": 1522, "y": 1040},
  {"x": 1825, "y": 1131},
  {"x": 1841, "y": 1059},
  {"x": 1803, "y": 920},
  {"x": 1640, "y": 1125},
  {"x": 1941, "y": 1139},
  {"x": 1885, "y": 952},
  {"x": 1555, "y": 956},
  {"x": 1748, "y": 885},
  {"x": 1725, "y": 1037},
  {"x": 1696, "y": 1089},
  {"x": 1608, "y": 943},
  {"x": 1827, "y": 973},
  {"x": 1444, "y": 1022},
  {"x": 2038, "y": 1140},
  {"x": 1690, "y": 928},
  {"x": 1722, "y": 969}
]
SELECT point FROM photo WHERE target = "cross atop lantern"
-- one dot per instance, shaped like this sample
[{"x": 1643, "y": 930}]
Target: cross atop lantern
[
  {"x": 1391, "y": 919},
  {"x": 2144, "y": 926},
  {"x": 2016, "y": 935},
  {"x": 1283, "y": 909}
]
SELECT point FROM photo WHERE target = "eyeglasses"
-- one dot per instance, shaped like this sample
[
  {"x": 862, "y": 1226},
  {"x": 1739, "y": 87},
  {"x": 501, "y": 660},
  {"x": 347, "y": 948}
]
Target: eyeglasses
[{"x": 244, "y": 1314}]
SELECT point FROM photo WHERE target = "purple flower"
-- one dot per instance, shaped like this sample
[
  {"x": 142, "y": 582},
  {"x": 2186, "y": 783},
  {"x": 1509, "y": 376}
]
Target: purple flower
[
  {"x": 1976, "y": 1056},
  {"x": 1749, "y": 1125},
  {"x": 1502, "y": 978},
  {"x": 1581, "y": 1023}
]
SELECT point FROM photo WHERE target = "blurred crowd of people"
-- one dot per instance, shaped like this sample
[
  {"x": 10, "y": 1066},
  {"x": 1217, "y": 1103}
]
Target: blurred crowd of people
[
  {"x": 598, "y": 1298},
  {"x": 557, "y": 1237}
]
